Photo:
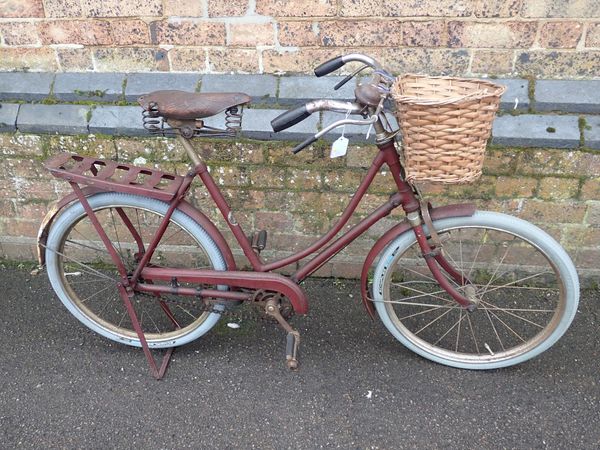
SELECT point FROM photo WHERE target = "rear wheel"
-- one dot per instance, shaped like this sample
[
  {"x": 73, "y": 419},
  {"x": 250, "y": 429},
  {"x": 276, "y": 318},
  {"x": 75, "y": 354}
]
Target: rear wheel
[
  {"x": 525, "y": 286},
  {"x": 85, "y": 278}
]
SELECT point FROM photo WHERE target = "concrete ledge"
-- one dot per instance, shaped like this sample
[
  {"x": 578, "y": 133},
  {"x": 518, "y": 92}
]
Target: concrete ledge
[
  {"x": 262, "y": 88},
  {"x": 8, "y": 116},
  {"x": 568, "y": 96},
  {"x": 119, "y": 120},
  {"x": 271, "y": 95},
  {"x": 142, "y": 83},
  {"x": 536, "y": 131},
  {"x": 591, "y": 132},
  {"x": 28, "y": 86},
  {"x": 53, "y": 119},
  {"x": 103, "y": 87}
]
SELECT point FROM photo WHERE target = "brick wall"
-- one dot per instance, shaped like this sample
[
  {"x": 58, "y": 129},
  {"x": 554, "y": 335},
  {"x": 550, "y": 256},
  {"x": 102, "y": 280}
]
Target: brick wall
[
  {"x": 544, "y": 38},
  {"x": 297, "y": 198}
]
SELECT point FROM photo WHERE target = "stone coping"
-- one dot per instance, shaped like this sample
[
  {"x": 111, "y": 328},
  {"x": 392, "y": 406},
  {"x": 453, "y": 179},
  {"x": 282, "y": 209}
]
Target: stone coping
[{"x": 101, "y": 105}]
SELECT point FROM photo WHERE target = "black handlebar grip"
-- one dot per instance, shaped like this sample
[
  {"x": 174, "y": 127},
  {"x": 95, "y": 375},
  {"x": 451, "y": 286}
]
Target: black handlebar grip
[
  {"x": 303, "y": 145},
  {"x": 329, "y": 66},
  {"x": 289, "y": 118}
]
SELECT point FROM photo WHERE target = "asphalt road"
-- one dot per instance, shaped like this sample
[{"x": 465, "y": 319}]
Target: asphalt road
[{"x": 64, "y": 387}]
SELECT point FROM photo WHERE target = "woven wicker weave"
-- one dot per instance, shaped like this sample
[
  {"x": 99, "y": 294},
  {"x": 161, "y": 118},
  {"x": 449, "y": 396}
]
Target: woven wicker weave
[{"x": 445, "y": 124}]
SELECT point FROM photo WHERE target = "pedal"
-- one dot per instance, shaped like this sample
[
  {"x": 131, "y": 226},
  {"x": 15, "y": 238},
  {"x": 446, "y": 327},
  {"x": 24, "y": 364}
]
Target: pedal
[
  {"x": 259, "y": 240},
  {"x": 291, "y": 350},
  {"x": 293, "y": 337}
]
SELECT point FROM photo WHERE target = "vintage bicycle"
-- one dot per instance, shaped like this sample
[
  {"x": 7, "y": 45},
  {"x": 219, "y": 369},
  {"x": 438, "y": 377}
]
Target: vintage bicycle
[{"x": 134, "y": 261}]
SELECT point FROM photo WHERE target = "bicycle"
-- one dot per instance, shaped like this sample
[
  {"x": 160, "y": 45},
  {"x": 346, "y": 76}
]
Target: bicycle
[{"x": 134, "y": 261}]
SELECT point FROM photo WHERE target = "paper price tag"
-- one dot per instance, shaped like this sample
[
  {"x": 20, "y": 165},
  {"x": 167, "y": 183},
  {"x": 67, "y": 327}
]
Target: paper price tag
[{"x": 339, "y": 147}]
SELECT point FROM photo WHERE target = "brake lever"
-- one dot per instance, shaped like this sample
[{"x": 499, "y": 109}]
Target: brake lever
[{"x": 349, "y": 77}]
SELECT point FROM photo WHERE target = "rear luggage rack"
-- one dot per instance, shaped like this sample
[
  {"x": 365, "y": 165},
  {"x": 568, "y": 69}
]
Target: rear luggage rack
[{"x": 114, "y": 176}]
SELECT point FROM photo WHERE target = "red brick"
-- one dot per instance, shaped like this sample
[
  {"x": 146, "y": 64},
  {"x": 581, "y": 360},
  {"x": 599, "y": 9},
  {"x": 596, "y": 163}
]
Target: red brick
[
  {"x": 38, "y": 59},
  {"x": 75, "y": 59},
  {"x": 558, "y": 188},
  {"x": 303, "y": 179},
  {"x": 19, "y": 33},
  {"x": 592, "y": 38},
  {"x": 433, "y": 61},
  {"x": 491, "y": 34},
  {"x": 230, "y": 8},
  {"x": 593, "y": 214},
  {"x": 492, "y": 62},
  {"x": 299, "y": 8},
  {"x": 7, "y": 209},
  {"x": 515, "y": 187},
  {"x": 560, "y": 64},
  {"x": 424, "y": 34},
  {"x": 20, "y": 251},
  {"x": 266, "y": 220},
  {"x": 232, "y": 60},
  {"x": 366, "y": 8},
  {"x": 88, "y": 32},
  {"x": 119, "y": 8},
  {"x": 185, "y": 32},
  {"x": 378, "y": 33},
  {"x": 298, "y": 34},
  {"x": 560, "y": 8},
  {"x": 62, "y": 8},
  {"x": 498, "y": 8},
  {"x": 295, "y": 61},
  {"x": 591, "y": 189},
  {"x": 21, "y": 8},
  {"x": 193, "y": 8},
  {"x": 553, "y": 212},
  {"x": 270, "y": 177},
  {"x": 348, "y": 270},
  {"x": 560, "y": 34},
  {"x": 130, "y": 32},
  {"x": 251, "y": 34},
  {"x": 131, "y": 59},
  {"x": 411, "y": 8},
  {"x": 587, "y": 258},
  {"x": 188, "y": 59}
]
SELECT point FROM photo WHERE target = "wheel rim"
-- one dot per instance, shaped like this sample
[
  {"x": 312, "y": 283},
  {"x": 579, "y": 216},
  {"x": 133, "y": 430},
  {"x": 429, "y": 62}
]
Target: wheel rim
[
  {"x": 90, "y": 278},
  {"x": 520, "y": 305}
]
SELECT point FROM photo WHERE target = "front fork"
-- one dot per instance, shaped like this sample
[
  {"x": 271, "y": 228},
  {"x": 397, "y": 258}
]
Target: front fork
[{"x": 435, "y": 259}]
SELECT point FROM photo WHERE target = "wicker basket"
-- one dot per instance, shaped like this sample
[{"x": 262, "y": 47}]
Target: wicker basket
[{"x": 445, "y": 124}]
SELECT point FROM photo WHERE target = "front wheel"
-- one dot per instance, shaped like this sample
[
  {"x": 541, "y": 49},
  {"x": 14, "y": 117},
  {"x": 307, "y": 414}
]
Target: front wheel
[{"x": 525, "y": 287}]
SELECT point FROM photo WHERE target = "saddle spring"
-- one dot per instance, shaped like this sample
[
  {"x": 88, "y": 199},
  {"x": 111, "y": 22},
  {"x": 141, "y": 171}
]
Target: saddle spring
[{"x": 155, "y": 124}]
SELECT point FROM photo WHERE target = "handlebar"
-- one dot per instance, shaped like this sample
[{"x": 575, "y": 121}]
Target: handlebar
[
  {"x": 364, "y": 107},
  {"x": 334, "y": 64}
]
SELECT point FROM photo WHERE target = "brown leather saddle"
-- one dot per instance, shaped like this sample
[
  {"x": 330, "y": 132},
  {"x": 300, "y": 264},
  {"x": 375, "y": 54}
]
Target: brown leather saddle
[{"x": 183, "y": 105}]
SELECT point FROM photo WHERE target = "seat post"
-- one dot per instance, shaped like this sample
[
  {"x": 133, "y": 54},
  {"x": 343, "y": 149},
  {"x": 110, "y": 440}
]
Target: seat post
[{"x": 189, "y": 149}]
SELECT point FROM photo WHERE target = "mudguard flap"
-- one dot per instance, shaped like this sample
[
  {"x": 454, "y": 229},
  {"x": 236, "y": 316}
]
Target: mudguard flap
[
  {"x": 443, "y": 212},
  {"x": 184, "y": 206}
]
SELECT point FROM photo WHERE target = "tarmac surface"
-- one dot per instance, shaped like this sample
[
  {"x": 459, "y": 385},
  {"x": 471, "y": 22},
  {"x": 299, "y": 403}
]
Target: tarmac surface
[{"x": 65, "y": 387}]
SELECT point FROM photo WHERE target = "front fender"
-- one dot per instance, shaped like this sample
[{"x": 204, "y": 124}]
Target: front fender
[
  {"x": 443, "y": 212},
  {"x": 184, "y": 206}
]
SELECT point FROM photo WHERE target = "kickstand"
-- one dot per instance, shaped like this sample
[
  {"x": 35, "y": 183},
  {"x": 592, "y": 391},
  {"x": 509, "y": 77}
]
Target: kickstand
[{"x": 156, "y": 372}]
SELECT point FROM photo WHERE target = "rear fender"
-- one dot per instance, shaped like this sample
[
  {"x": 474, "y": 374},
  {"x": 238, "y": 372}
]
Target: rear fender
[
  {"x": 184, "y": 206},
  {"x": 443, "y": 212}
]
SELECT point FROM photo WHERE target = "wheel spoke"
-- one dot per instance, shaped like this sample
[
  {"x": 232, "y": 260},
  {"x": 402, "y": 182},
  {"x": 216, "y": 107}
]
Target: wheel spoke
[
  {"x": 96, "y": 293},
  {"x": 434, "y": 320},
  {"x": 506, "y": 325},
  {"x": 495, "y": 332},
  {"x": 457, "y": 323},
  {"x": 473, "y": 334},
  {"x": 496, "y": 308},
  {"x": 516, "y": 281},
  {"x": 424, "y": 294}
]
